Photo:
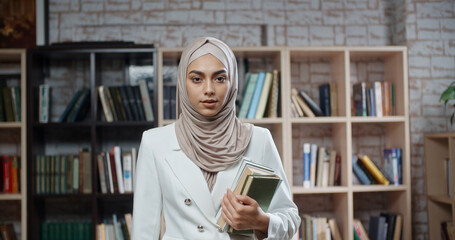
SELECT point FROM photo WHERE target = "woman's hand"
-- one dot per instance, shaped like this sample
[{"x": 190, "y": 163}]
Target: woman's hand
[{"x": 243, "y": 212}]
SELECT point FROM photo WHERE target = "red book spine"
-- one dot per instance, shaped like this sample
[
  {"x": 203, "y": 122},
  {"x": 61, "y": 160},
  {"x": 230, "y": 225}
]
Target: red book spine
[{"x": 7, "y": 183}]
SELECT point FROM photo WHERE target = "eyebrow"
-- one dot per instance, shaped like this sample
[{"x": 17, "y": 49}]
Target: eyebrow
[{"x": 201, "y": 73}]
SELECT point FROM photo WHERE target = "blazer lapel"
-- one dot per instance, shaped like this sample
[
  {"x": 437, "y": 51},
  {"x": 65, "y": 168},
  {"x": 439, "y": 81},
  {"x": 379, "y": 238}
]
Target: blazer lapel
[{"x": 190, "y": 176}]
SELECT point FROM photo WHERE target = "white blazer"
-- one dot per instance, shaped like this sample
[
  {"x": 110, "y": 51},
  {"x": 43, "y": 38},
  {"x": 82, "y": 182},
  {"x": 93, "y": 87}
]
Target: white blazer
[{"x": 167, "y": 180}]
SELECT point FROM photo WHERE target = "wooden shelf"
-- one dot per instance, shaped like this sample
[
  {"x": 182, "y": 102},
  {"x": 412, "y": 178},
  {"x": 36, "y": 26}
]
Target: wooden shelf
[
  {"x": 315, "y": 190},
  {"x": 378, "y": 188},
  {"x": 11, "y": 196},
  {"x": 441, "y": 199}
]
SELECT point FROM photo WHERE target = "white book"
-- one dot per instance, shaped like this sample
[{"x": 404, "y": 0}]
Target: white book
[
  {"x": 378, "y": 98},
  {"x": 104, "y": 103},
  {"x": 148, "y": 110},
  {"x": 325, "y": 173},
  {"x": 320, "y": 167},
  {"x": 127, "y": 172},
  {"x": 117, "y": 228},
  {"x": 133, "y": 165},
  {"x": 118, "y": 168},
  {"x": 109, "y": 168},
  {"x": 44, "y": 90}
]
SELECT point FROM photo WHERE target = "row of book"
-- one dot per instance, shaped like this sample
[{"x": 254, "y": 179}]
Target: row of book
[
  {"x": 56, "y": 230},
  {"x": 10, "y": 174},
  {"x": 260, "y": 96},
  {"x": 321, "y": 166},
  {"x": 368, "y": 172},
  {"x": 169, "y": 101},
  {"x": 315, "y": 228},
  {"x": 447, "y": 230},
  {"x": 10, "y": 103},
  {"x": 119, "y": 103},
  {"x": 7, "y": 232},
  {"x": 64, "y": 174},
  {"x": 126, "y": 103},
  {"x": 374, "y": 99},
  {"x": 116, "y": 170},
  {"x": 117, "y": 228},
  {"x": 302, "y": 105},
  {"x": 386, "y": 226}
]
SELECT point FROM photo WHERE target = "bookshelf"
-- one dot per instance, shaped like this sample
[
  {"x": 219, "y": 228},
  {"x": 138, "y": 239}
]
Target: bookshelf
[
  {"x": 306, "y": 68},
  {"x": 13, "y": 206},
  {"x": 438, "y": 147},
  {"x": 67, "y": 69}
]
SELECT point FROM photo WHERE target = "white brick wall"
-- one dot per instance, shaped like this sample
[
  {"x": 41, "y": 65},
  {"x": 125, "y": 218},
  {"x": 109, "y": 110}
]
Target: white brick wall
[{"x": 426, "y": 27}]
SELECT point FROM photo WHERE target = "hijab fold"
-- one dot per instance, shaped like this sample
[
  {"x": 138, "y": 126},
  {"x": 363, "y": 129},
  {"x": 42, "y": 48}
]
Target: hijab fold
[{"x": 212, "y": 143}]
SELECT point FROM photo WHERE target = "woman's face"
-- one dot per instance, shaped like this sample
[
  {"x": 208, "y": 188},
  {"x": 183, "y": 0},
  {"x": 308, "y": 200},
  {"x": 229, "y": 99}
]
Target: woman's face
[{"x": 207, "y": 84}]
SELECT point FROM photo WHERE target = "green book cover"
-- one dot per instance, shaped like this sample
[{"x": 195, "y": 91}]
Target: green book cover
[
  {"x": 248, "y": 95},
  {"x": 18, "y": 102},
  {"x": 262, "y": 189},
  {"x": 8, "y": 102}
]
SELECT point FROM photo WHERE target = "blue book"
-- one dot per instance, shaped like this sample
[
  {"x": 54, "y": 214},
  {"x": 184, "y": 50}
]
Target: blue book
[
  {"x": 256, "y": 96},
  {"x": 359, "y": 172},
  {"x": 248, "y": 95},
  {"x": 372, "y": 102},
  {"x": 306, "y": 165},
  {"x": 70, "y": 106}
]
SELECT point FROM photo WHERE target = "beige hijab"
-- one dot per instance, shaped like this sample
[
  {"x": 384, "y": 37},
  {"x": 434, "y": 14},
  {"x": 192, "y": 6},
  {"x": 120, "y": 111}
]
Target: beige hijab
[{"x": 214, "y": 143}]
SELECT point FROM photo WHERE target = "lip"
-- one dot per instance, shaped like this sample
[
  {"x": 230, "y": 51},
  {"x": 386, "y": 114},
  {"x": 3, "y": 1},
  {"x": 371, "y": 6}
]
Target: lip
[{"x": 209, "y": 103}]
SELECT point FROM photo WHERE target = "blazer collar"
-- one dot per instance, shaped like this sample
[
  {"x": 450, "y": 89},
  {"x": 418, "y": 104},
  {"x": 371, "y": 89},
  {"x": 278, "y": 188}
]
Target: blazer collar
[{"x": 173, "y": 142}]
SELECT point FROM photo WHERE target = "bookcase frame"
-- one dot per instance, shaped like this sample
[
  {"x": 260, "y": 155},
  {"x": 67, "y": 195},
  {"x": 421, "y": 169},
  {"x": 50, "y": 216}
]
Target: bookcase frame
[
  {"x": 90, "y": 131},
  {"x": 440, "y": 206},
  {"x": 396, "y": 128},
  {"x": 19, "y": 56}
]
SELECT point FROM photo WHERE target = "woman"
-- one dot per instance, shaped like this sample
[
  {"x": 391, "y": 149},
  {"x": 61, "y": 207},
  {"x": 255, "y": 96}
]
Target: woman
[{"x": 185, "y": 169}]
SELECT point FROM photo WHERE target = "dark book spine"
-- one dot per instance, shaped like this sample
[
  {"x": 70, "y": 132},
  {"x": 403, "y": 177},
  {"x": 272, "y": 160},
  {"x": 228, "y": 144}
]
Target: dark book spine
[
  {"x": 324, "y": 99},
  {"x": 8, "y": 103},
  {"x": 314, "y": 107},
  {"x": 173, "y": 100},
  {"x": 113, "y": 172},
  {"x": 138, "y": 100},
  {"x": 125, "y": 103},
  {"x": 132, "y": 102},
  {"x": 167, "y": 102},
  {"x": 116, "y": 104}
]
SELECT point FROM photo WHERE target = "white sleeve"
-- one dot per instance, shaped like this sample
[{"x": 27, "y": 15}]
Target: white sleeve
[
  {"x": 284, "y": 215},
  {"x": 147, "y": 194}
]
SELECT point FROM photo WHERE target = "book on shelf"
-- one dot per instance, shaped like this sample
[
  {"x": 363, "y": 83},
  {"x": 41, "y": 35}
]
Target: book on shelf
[
  {"x": 373, "y": 169},
  {"x": 253, "y": 180},
  {"x": 360, "y": 99},
  {"x": 360, "y": 230},
  {"x": 116, "y": 170},
  {"x": 264, "y": 96},
  {"x": 85, "y": 171},
  {"x": 10, "y": 174},
  {"x": 297, "y": 110},
  {"x": 324, "y": 99},
  {"x": 313, "y": 163},
  {"x": 79, "y": 110},
  {"x": 447, "y": 230},
  {"x": 359, "y": 173},
  {"x": 146, "y": 101},
  {"x": 391, "y": 165},
  {"x": 248, "y": 94},
  {"x": 125, "y": 101},
  {"x": 2, "y": 105},
  {"x": 7, "y": 231},
  {"x": 374, "y": 99},
  {"x": 105, "y": 104},
  {"x": 314, "y": 227},
  {"x": 167, "y": 102},
  {"x": 16, "y": 103},
  {"x": 116, "y": 227},
  {"x": 306, "y": 165},
  {"x": 312, "y": 104},
  {"x": 377, "y": 229},
  {"x": 256, "y": 95},
  {"x": 273, "y": 102},
  {"x": 8, "y": 104},
  {"x": 386, "y": 226},
  {"x": 65, "y": 230},
  {"x": 300, "y": 103}
]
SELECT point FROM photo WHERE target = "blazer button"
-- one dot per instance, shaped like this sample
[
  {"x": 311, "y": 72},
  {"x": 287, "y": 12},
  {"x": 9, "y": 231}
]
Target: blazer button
[
  {"x": 200, "y": 228},
  {"x": 188, "y": 201}
]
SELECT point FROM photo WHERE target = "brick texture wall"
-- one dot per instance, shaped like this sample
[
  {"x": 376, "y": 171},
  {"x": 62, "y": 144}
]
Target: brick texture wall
[{"x": 426, "y": 27}]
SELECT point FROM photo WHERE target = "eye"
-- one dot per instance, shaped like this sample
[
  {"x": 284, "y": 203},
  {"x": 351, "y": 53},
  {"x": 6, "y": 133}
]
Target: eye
[
  {"x": 220, "y": 79},
  {"x": 196, "y": 79}
]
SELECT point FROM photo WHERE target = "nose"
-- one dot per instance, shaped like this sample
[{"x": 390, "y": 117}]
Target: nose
[{"x": 209, "y": 88}]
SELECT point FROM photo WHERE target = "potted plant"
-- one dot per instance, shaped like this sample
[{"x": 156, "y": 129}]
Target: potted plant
[{"x": 447, "y": 95}]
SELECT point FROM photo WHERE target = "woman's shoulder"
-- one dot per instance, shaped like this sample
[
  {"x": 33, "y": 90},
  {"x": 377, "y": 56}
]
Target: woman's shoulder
[
  {"x": 161, "y": 134},
  {"x": 260, "y": 135}
]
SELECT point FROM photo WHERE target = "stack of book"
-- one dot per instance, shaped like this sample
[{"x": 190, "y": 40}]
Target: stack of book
[
  {"x": 321, "y": 166},
  {"x": 261, "y": 96},
  {"x": 447, "y": 230},
  {"x": 64, "y": 174},
  {"x": 373, "y": 99},
  {"x": 302, "y": 105},
  {"x": 10, "y": 103},
  {"x": 53, "y": 230},
  {"x": 126, "y": 103},
  {"x": 115, "y": 229},
  {"x": 385, "y": 226},
  {"x": 116, "y": 170},
  {"x": 9, "y": 174},
  {"x": 368, "y": 172},
  {"x": 318, "y": 228}
]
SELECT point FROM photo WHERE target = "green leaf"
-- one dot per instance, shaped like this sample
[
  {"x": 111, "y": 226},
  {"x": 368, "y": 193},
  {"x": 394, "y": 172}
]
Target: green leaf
[{"x": 448, "y": 94}]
